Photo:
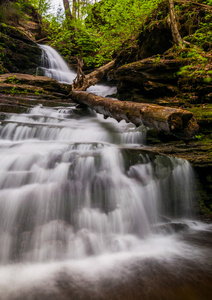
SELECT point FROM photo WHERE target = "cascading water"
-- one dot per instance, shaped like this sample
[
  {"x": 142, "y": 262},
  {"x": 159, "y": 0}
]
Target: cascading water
[
  {"x": 85, "y": 213},
  {"x": 54, "y": 66}
]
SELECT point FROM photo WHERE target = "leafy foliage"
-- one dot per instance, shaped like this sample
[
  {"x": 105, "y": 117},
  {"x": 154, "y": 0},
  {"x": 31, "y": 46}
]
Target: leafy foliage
[
  {"x": 79, "y": 42},
  {"x": 115, "y": 22},
  {"x": 107, "y": 26}
]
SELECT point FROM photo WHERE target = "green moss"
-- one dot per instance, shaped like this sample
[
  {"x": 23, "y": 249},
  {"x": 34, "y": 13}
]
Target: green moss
[
  {"x": 205, "y": 210},
  {"x": 37, "y": 92},
  {"x": 14, "y": 90},
  {"x": 207, "y": 80},
  {"x": 12, "y": 79},
  {"x": 202, "y": 111}
]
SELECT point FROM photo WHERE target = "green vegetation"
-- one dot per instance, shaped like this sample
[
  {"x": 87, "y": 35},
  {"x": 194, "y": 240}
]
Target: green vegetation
[
  {"x": 37, "y": 92},
  {"x": 202, "y": 111},
  {"x": 116, "y": 23},
  {"x": 12, "y": 79},
  {"x": 14, "y": 90},
  {"x": 98, "y": 31},
  {"x": 198, "y": 64},
  {"x": 106, "y": 27}
]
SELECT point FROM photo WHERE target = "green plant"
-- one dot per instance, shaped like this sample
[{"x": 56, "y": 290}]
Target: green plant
[
  {"x": 12, "y": 79},
  {"x": 198, "y": 137},
  {"x": 37, "y": 92},
  {"x": 13, "y": 91},
  {"x": 207, "y": 80},
  {"x": 157, "y": 59}
]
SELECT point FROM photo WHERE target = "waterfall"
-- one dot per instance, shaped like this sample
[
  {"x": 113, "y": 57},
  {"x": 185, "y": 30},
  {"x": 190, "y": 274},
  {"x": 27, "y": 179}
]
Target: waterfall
[
  {"x": 67, "y": 193},
  {"x": 54, "y": 66},
  {"x": 87, "y": 212}
]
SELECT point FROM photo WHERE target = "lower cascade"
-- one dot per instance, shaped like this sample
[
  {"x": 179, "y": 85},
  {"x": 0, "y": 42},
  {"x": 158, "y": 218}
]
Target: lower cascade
[
  {"x": 87, "y": 213},
  {"x": 67, "y": 191}
]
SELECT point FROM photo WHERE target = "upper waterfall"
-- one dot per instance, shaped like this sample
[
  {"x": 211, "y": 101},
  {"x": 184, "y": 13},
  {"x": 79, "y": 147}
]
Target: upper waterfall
[{"x": 54, "y": 66}]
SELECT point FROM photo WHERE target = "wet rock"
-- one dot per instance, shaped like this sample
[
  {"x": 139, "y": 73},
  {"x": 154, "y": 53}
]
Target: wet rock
[
  {"x": 12, "y": 82},
  {"x": 19, "y": 91},
  {"x": 172, "y": 227},
  {"x": 165, "y": 219}
]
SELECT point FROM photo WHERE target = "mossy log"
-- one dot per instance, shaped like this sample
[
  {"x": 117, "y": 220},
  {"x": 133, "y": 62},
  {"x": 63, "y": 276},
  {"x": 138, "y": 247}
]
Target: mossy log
[
  {"x": 95, "y": 76},
  {"x": 177, "y": 122}
]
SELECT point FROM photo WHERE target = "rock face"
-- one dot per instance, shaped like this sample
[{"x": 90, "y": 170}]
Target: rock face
[
  {"x": 152, "y": 69},
  {"x": 31, "y": 24},
  {"x": 19, "y": 54},
  {"x": 148, "y": 77},
  {"x": 151, "y": 41}
]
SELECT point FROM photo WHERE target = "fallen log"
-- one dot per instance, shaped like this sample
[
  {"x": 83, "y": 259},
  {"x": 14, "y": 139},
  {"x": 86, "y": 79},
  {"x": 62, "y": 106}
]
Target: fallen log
[
  {"x": 93, "y": 77},
  {"x": 177, "y": 122}
]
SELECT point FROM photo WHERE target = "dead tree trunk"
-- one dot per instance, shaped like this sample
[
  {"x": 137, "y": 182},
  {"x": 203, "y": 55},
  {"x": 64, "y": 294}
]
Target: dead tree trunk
[
  {"x": 177, "y": 122},
  {"x": 95, "y": 76},
  {"x": 175, "y": 32},
  {"x": 79, "y": 80}
]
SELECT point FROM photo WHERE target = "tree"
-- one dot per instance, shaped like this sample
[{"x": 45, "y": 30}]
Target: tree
[
  {"x": 177, "y": 122},
  {"x": 175, "y": 32},
  {"x": 74, "y": 9},
  {"x": 68, "y": 13}
]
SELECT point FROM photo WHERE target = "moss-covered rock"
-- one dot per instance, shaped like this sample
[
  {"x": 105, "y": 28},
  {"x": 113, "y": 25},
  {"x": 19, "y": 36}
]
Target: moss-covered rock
[
  {"x": 152, "y": 77},
  {"x": 18, "y": 53}
]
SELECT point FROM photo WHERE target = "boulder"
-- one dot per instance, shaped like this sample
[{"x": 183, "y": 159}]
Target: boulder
[{"x": 172, "y": 227}]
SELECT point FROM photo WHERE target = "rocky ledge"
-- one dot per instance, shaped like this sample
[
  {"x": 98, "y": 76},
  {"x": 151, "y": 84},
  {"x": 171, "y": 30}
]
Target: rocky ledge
[
  {"x": 22, "y": 90},
  {"x": 15, "y": 83},
  {"x": 151, "y": 78}
]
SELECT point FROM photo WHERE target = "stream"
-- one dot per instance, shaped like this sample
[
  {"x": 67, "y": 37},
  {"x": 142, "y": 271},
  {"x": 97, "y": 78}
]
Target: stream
[{"x": 87, "y": 214}]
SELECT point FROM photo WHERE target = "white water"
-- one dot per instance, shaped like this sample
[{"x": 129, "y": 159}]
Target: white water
[
  {"x": 54, "y": 66},
  {"x": 83, "y": 214},
  {"x": 67, "y": 178}
]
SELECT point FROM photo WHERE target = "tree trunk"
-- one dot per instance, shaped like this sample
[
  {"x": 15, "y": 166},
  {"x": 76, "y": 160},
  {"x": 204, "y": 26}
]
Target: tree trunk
[
  {"x": 177, "y": 122},
  {"x": 74, "y": 9},
  {"x": 175, "y": 32},
  {"x": 93, "y": 77},
  {"x": 79, "y": 80},
  {"x": 68, "y": 13}
]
